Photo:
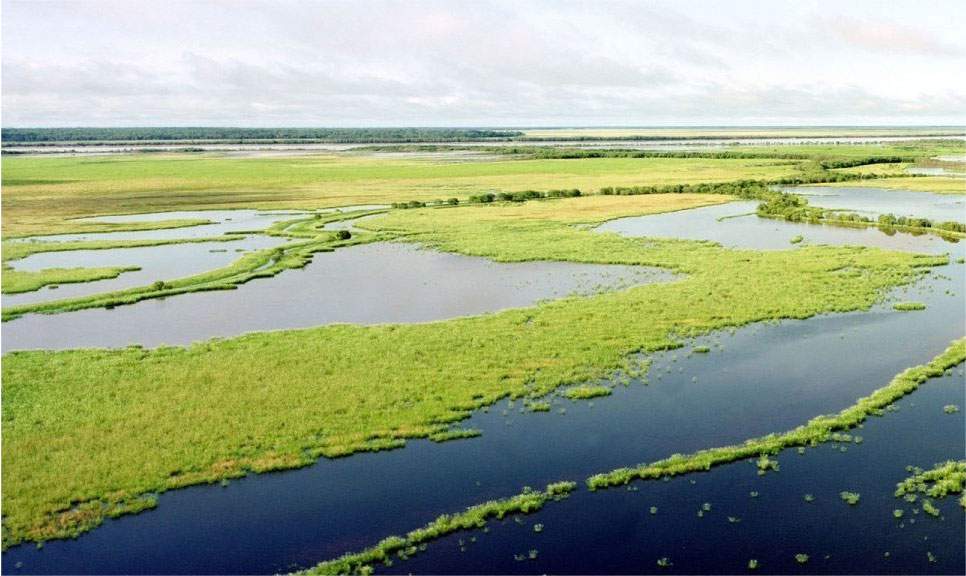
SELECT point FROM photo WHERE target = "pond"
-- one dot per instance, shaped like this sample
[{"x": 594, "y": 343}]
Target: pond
[
  {"x": 759, "y": 379},
  {"x": 368, "y": 284}
]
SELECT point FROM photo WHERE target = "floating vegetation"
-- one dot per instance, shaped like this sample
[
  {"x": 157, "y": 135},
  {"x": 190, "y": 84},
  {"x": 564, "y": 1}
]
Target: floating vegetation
[
  {"x": 653, "y": 510},
  {"x": 457, "y": 434},
  {"x": 753, "y": 494},
  {"x": 664, "y": 562},
  {"x": 796, "y": 240},
  {"x": 701, "y": 349},
  {"x": 765, "y": 464},
  {"x": 733, "y": 519},
  {"x": 585, "y": 392},
  {"x": 898, "y": 513},
  {"x": 908, "y": 306},
  {"x": 472, "y": 518},
  {"x": 950, "y": 408},
  {"x": 753, "y": 564},
  {"x": 931, "y": 557},
  {"x": 706, "y": 507},
  {"x": 809, "y": 498},
  {"x": 852, "y": 498},
  {"x": 538, "y": 406},
  {"x": 817, "y": 430},
  {"x": 538, "y": 528},
  {"x": 801, "y": 558},
  {"x": 929, "y": 508},
  {"x": 943, "y": 480}
]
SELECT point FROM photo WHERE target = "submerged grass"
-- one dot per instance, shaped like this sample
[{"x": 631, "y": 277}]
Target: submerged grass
[
  {"x": 819, "y": 429},
  {"x": 472, "y": 518},
  {"x": 75, "y": 423}
]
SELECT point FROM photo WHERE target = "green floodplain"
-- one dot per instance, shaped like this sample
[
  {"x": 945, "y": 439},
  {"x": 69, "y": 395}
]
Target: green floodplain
[{"x": 76, "y": 422}]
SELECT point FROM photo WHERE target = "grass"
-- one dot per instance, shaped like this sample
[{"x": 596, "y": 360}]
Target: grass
[
  {"x": 75, "y": 423},
  {"x": 77, "y": 227},
  {"x": 42, "y": 193},
  {"x": 908, "y": 306},
  {"x": 18, "y": 281},
  {"x": 308, "y": 239},
  {"x": 819, "y": 429},
  {"x": 944, "y": 479},
  {"x": 472, "y": 518},
  {"x": 586, "y": 392}
]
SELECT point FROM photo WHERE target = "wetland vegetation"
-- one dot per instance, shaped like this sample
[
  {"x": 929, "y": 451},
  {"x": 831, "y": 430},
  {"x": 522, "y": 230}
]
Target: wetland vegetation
[{"x": 75, "y": 422}]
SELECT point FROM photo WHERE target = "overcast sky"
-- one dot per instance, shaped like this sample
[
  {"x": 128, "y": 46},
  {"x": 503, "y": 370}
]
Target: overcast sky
[{"x": 482, "y": 63}]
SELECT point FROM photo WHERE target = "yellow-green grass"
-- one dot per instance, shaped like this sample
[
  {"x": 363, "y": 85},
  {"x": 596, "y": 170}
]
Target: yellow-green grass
[
  {"x": 473, "y": 518},
  {"x": 17, "y": 281},
  {"x": 944, "y": 479},
  {"x": 76, "y": 424},
  {"x": 39, "y": 193},
  {"x": 937, "y": 184},
  {"x": 17, "y": 250},
  {"x": 76, "y": 227},
  {"x": 818, "y": 429}
]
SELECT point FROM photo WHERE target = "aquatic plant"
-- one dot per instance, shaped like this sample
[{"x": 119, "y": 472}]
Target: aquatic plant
[
  {"x": 701, "y": 349},
  {"x": 908, "y": 306},
  {"x": 538, "y": 406},
  {"x": 801, "y": 558},
  {"x": 929, "y": 508},
  {"x": 538, "y": 527},
  {"x": 753, "y": 564},
  {"x": 817, "y": 430},
  {"x": 796, "y": 240},
  {"x": 852, "y": 498},
  {"x": 664, "y": 562},
  {"x": 942, "y": 480},
  {"x": 897, "y": 513},
  {"x": 585, "y": 392},
  {"x": 809, "y": 498},
  {"x": 472, "y": 518},
  {"x": 950, "y": 408},
  {"x": 653, "y": 510}
]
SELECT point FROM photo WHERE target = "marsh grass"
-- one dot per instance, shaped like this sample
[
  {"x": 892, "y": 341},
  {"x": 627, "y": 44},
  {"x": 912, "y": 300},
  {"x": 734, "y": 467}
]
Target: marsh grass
[
  {"x": 908, "y": 306},
  {"x": 817, "y": 430},
  {"x": 264, "y": 402},
  {"x": 473, "y": 518}
]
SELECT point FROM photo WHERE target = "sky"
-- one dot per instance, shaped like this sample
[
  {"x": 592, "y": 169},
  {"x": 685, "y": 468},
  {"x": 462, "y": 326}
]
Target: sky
[{"x": 482, "y": 63}]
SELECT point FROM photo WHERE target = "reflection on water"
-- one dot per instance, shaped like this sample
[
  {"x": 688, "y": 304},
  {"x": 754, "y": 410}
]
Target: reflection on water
[
  {"x": 735, "y": 225},
  {"x": 165, "y": 262},
  {"x": 875, "y": 201},
  {"x": 367, "y": 284},
  {"x": 762, "y": 379}
]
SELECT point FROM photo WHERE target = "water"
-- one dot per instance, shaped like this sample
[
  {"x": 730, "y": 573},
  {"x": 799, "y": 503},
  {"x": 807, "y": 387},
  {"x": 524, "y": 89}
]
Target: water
[
  {"x": 367, "y": 284},
  {"x": 764, "y": 378},
  {"x": 222, "y": 222},
  {"x": 875, "y": 201},
  {"x": 735, "y": 225},
  {"x": 166, "y": 262}
]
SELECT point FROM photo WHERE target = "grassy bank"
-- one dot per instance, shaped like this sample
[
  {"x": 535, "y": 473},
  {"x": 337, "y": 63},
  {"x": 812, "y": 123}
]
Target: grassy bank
[
  {"x": 41, "y": 194},
  {"x": 76, "y": 423},
  {"x": 819, "y": 429},
  {"x": 936, "y": 184},
  {"x": 19, "y": 281},
  {"x": 473, "y": 518}
]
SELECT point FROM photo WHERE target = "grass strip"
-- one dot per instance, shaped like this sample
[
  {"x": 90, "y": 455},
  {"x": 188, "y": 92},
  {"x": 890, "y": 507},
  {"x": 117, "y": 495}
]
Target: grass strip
[
  {"x": 817, "y": 430},
  {"x": 19, "y": 281},
  {"x": 472, "y": 518}
]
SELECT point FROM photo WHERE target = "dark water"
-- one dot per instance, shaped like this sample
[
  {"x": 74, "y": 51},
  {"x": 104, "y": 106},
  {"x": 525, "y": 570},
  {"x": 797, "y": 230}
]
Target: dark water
[
  {"x": 366, "y": 284},
  {"x": 759, "y": 379},
  {"x": 763, "y": 378}
]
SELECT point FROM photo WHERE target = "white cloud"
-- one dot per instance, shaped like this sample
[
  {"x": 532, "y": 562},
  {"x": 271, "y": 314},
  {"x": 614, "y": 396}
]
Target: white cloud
[{"x": 436, "y": 62}]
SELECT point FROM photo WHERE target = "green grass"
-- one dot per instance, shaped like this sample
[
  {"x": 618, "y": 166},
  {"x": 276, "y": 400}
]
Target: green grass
[
  {"x": 586, "y": 392},
  {"x": 472, "y": 518},
  {"x": 12, "y": 227},
  {"x": 308, "y": 239},
  {"x": 819, "y": 429},
  {"x": 75, "y": 423},
  {"x": 41, "y": 193},
  {"x": 945, "y": 479},
  {"x": 18, "y": 281}
]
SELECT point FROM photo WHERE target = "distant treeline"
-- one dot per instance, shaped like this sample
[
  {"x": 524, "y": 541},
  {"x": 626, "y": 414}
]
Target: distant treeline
[{"x": 333, "y": 135}]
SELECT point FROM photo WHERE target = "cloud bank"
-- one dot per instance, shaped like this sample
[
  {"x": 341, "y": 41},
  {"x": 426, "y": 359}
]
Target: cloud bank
[{"x": 481, "y": 63}]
